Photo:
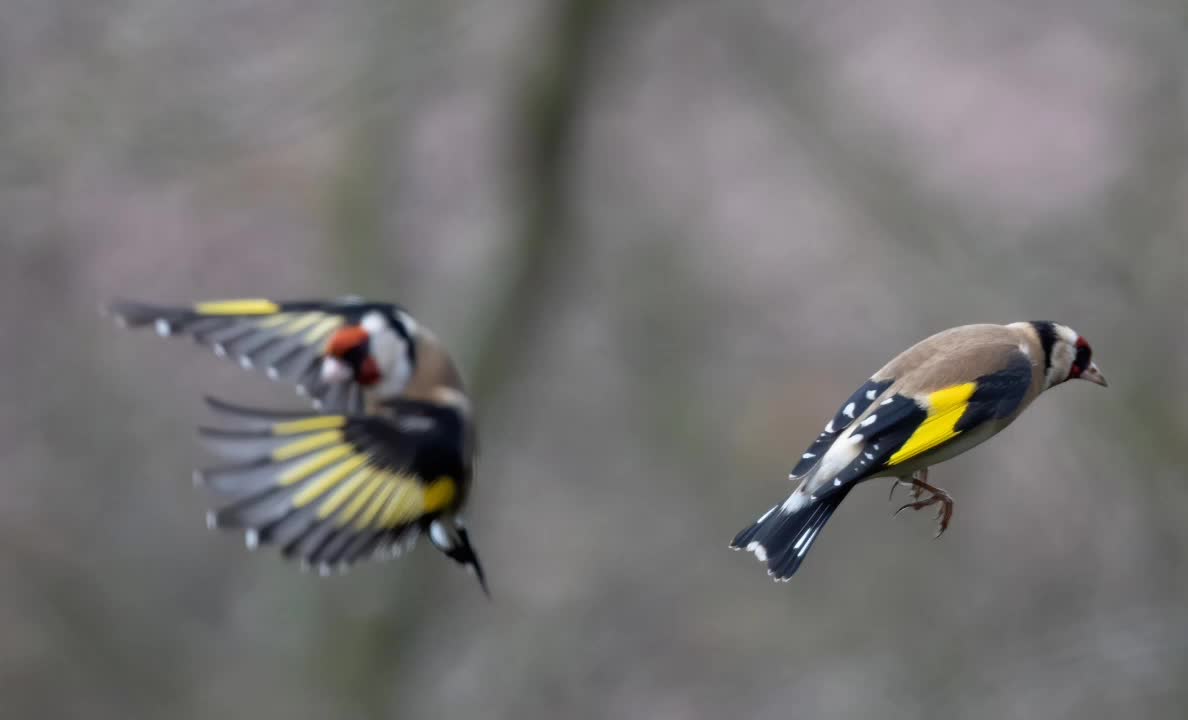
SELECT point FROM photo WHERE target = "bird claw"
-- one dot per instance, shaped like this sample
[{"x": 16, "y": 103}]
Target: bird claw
[{"x": 943, "y": 514}]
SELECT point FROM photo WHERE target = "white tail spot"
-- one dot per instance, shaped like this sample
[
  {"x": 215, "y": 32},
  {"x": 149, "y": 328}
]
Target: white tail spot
[
  {"x": 759, "y": 550},
  {"x": 808, "y": 542}
]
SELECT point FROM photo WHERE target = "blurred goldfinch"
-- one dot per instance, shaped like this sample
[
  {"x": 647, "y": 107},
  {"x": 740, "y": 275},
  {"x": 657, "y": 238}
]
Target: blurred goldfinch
[
  {"x": 934, "y": 401},
  {"x": 392, "y": 460}
]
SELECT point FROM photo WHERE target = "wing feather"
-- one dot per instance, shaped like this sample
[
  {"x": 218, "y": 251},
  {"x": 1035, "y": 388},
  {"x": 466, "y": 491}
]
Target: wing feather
[
  {"x": 901, "y": 428},
  {"x": 285, "y": 340},
  {"x": 852, "y": 408},
  {"x": 332, "y": 489}
]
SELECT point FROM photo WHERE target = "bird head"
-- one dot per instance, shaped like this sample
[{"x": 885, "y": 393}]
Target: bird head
[
  {"x": 1069, "y": 356},
  {"x": 377, "y": 353}
]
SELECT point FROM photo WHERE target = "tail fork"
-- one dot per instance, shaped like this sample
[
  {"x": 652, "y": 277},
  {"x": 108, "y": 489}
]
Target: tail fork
[{"x": 783, "y": 535}]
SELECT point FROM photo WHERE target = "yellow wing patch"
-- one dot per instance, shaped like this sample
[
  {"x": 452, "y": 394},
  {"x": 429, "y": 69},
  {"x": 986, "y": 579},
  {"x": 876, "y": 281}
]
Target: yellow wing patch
[
  {"x": 299, "y": 479},
  {"x": 945, "y": 408},
  {"x": 308, "y": 444},
  {"x": 297, "y": 427},
  {"x": 364, "y": 496},
  {"x": 237, "y": 307},
  {"x": 440, "y": 494}
]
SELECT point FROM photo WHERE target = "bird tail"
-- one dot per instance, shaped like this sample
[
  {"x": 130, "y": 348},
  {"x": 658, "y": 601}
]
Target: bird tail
[{"x": 783, "y": 535}]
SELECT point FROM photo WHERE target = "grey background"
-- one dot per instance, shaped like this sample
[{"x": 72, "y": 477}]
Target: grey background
[{"x": 664, "y": 240}]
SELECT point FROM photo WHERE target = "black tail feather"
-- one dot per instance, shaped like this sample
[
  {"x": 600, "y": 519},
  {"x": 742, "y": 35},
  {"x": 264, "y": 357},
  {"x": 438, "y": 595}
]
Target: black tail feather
[{"x": 782, "y": 537}]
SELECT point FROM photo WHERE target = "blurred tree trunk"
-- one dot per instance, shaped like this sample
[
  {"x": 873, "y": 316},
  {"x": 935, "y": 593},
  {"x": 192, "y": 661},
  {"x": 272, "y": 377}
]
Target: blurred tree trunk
[{"x": 364, "y": 654}]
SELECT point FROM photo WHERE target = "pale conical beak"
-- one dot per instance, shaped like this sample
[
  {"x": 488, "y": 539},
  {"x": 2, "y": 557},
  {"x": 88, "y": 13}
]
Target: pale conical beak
[
  {"x": 335, "y": 370},
  {"x": 1093, "y": 375}
]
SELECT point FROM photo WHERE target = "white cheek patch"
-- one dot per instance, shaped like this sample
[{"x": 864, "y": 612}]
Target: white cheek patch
[
  {"x": 391, "y": 354},
  {"x": 1063, "y": 354}
]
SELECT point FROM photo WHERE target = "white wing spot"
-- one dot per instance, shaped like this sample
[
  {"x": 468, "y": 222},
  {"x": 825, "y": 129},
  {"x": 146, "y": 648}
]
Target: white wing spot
[
  {"x": 869, "y": 421},
  {"x": 807, "y": 456},
  {"x": 829, "y": 427},
  {"x": 220, "y": 349},
  {"x": 871, "y": 394},
  {"x": 869, "y": 456},
  {"x": 163, "y": 328},
  {"x": 251, "y": 539},
  {"x": 857, "y": 438},
  {"x": 888, "y": 401},
  {"x": 245, "y": 362},
  {"x": 766, "y": 515},
  {"x": 848, "y": 410},
  {"x": 415, "y": 423},
  {"x": 272, "y": 373},
  {"x": 836, "y": 482}
]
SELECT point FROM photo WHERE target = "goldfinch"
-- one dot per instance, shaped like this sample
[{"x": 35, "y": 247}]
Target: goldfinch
[
  {"x": 934, "y": 401},
  {"x": 394, "y": 459}
]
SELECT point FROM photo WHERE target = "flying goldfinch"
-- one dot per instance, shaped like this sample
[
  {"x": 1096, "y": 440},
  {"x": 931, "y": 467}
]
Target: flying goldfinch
[
  {"x": 934, "y": 401},
  {"x": 391, "y": 459}
]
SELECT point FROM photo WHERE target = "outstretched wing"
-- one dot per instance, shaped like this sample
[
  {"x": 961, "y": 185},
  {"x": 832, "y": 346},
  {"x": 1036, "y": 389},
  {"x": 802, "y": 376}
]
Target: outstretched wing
[
  {"x": 284, "y": 339},
  {"x": 334, "y": 489},
  {"x": 888, "y": 428}
]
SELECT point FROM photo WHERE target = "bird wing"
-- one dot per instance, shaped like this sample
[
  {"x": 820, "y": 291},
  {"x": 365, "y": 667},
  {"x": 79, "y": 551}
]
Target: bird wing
[
  {"x": 894, "y": 420},
  {"x": 285, "y": 339},
  {"x": 334, "y": 489}
]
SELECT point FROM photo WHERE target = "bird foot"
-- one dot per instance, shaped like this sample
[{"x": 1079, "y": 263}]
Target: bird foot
[
  {"x": 943, "y": 514},
  {"x": 919, "y": 478}
]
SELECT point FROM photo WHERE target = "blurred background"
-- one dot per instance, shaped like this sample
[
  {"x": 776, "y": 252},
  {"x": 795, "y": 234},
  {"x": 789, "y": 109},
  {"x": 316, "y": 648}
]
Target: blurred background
[{"x": 664, "y": 239}]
